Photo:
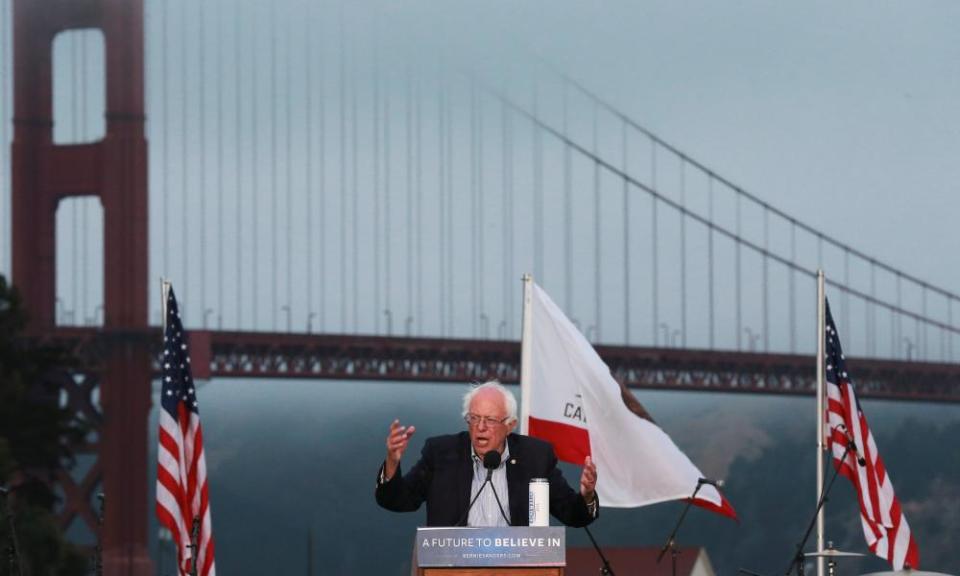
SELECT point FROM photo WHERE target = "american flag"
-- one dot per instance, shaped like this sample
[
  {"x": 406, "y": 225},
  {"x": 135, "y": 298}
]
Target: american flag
[
  {"x": 884, "y": 525},
  {"x": 182, "y": 494}
]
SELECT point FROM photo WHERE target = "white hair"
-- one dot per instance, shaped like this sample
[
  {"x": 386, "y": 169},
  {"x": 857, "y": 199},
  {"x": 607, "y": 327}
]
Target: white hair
[{"x": 508, "y": 398}]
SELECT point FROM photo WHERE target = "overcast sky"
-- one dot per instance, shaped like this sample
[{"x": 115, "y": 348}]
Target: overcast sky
[{"x": 843, "y": 116}]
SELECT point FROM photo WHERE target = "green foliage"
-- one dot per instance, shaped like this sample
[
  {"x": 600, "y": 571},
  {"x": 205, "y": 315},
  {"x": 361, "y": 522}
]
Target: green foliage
[{"x": 35, "y": 439}]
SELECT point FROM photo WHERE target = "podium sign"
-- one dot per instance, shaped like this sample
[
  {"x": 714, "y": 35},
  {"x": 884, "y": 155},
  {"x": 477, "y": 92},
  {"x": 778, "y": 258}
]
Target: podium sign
[{"x": 483, "y": 547}]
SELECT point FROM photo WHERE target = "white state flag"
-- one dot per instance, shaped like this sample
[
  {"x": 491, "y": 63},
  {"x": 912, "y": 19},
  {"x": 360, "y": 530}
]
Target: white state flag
[{"x": 570, "y": 399}]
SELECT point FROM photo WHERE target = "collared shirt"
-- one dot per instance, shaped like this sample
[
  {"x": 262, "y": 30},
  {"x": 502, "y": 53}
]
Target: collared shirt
[{"x": 485, "y": 511}]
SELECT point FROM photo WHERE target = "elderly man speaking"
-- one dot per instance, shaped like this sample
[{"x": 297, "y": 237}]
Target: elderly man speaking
[{"x": 451, "y": 470}]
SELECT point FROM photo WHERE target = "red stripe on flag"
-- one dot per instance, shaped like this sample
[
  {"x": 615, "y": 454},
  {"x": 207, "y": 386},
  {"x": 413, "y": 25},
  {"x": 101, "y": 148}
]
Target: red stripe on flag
[
  {"x": 571, "y": 444},
  {"x": 208, "y": 558},
  {"x": 724, "y": 508},
  {"x": 169, "y": 443},
  {"x": 913, "y": 553},
  {"x": 167, "y": 519}
]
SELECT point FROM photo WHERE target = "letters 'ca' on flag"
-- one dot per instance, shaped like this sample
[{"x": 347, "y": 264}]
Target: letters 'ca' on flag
[
  {"x": 572, "y": 401},
  {"x": 884, "y": 525},
  {"x": 182, "y": 492}
]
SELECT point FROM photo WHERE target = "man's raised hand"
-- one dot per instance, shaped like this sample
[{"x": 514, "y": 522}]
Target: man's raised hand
[
  {"x": 588, "y": 480},
  {"x": 397, "y": 441}
]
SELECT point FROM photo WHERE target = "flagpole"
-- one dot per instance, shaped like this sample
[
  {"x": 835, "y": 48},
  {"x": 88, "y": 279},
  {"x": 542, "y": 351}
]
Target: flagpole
[
  {"x": 164, "y": 293},
  {"x": 821, "y": 328},
  {"x": 526, "y": 351}
]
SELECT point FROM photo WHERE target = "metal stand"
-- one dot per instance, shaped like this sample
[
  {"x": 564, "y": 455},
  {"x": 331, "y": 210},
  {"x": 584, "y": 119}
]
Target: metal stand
[
  {"x": 831, "y": 554},
  {"x": 98, "y": 553},
  {"x": 797, "y": 562},
  {"x": 605, "y": 570},
  {"x": 13, "y": 548},
  {"x": 194, "y": 545},
  {"x": 671, "y": 543}
]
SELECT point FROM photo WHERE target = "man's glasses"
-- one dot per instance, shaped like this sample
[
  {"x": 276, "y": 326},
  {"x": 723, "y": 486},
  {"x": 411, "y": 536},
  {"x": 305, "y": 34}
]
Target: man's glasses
[{"x": 489, "y": 421}]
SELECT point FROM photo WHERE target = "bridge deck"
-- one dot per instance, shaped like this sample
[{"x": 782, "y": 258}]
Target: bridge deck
[{"x": 348, "y": 357}]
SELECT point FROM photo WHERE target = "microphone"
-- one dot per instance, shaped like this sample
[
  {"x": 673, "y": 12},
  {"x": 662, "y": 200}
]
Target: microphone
[
  {"x": 491, "y": 461},
  {"x": 861, "y": 460},
  {"x": 4, "y": 490},
  {"x": 714, "y": 483},
  {"x": 853, "y": 448},
  {"x": 851, "y": 445}
]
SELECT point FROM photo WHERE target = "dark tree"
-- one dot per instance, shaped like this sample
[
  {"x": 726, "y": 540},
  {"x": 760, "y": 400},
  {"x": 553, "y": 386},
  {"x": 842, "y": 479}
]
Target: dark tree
[{"x": 36, "y": 435}]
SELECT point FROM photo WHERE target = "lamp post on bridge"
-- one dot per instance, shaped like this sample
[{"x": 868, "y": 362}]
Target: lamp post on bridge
[
  {"x": 910, "y": 348},
  {"x": 484, "y": 325},
  {"x": 389, "y": 315},
  {"x": 310, "y": 322},
  {"x": 752, "y": 338},
  {"x": 666, "y": 334},
  {"x": 408, "y": 325}
]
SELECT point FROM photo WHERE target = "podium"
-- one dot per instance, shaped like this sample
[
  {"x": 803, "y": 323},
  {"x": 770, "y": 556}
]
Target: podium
[{"x": 507, "y": 551}]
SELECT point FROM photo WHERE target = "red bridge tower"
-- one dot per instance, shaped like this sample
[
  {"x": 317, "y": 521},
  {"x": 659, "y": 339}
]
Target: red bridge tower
[{"x": 115, "y": 171}]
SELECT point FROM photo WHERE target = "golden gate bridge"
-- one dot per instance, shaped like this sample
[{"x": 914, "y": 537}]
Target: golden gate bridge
[{"x": 336, "y": 205}]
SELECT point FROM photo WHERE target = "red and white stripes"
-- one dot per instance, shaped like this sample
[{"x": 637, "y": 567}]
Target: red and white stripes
[
  {"x": 182, "y": 491},
  {"x": 884, "y": 525}
]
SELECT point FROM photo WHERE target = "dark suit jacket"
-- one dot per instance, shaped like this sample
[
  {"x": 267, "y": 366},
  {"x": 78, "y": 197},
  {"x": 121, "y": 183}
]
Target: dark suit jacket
[{"x": 444, "y": 475}]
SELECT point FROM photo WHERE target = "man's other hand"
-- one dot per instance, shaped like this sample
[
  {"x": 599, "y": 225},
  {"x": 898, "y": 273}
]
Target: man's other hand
[
  {"x": 397, "y": 441},
  {"x": 588, "y": 480}
]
